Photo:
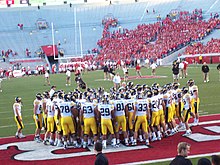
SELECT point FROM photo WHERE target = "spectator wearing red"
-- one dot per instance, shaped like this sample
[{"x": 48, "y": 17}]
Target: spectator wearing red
[
  {"x": 138, "y": 70},
  {"x": 185, "y": 63}
]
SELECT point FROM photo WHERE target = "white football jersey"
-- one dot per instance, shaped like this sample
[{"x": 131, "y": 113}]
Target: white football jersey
[
  {"x": 65, "y": 108},
  {"x": 105, "y": 110},
  {"x": 130, "y": 103},
  {"x": 142, "y": 106},
  {"x": 88, "y": 109},
  {"x": 186, "y": 101},
  {"x": 18, "y": 106},
  {"x": 119, "y": 106},
  {"x": 154, "y": 104},
  {"x": 49, "y": 107}
]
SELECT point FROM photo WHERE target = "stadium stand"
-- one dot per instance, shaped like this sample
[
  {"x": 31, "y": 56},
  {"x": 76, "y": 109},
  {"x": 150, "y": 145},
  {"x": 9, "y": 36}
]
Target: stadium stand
[{"x": 68, "y": 20}]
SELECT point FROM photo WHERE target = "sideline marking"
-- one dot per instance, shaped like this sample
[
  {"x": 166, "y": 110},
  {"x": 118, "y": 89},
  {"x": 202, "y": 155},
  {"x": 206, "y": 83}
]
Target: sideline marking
[{"x": 36, "y": 151}]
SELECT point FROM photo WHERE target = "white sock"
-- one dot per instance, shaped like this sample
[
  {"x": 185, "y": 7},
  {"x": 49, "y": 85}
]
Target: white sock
[
  {"x": 104, "y": 143},
  {"x": 132, "y": 138},
  {"x": 158, "y": 134},
  {"x": 140, "y": 137},
  {"x": 126, "y": 140},
  {"x": 118, "y": 141},
  {"x": 89, "y": 141},
  {"x": 114, "y": 141},
  {"x": 154, "y": 135}
]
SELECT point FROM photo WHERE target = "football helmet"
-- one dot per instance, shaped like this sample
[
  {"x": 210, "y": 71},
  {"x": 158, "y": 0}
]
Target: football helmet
[
  {"x": 164, "y": 90},
  {"x": 144, "y": 86},
  {"x": 155, "y": 85},
  {"x": 139, "y": 96},
  {"x": 39, "y": 96},
  {"x": 185, "y": 90},
  {"x": 190, "y": 82},
  {"x": 130, "y": 84},
  {"x": 73, "y": 98},
  {"x": 46, "y": 95},
  {"x": 176, "y": 85},
  {"x": 155, "y": 92},
  {"x": 149, "y": 94},
  {"x": 127, "y": 95},
  {"x": 169, "y": 86},
  {"x": 60, "y": 95},
  {"x": 101, "y": 90},
  {"x": 66, "y": 97},
  {"x": 105, "y": 100},
  {"x": 17, "y": 99},
  {"x": 89, "y": 98}
]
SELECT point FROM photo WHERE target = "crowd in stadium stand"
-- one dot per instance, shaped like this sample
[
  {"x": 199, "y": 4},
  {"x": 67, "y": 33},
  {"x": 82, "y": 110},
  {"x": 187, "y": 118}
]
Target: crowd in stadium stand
[
  {"x": 150, "y": 41},
  {"x": 213, "y": 46},
  {"x": 155, "y": 40}
]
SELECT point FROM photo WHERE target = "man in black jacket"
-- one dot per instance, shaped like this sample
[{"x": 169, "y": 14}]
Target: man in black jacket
[
  {"x": 175, "y": 70},
  {"x": 205, "y": 70},
  {"x": 100, "y": 157},
  {"x": 183, "y": 150}
]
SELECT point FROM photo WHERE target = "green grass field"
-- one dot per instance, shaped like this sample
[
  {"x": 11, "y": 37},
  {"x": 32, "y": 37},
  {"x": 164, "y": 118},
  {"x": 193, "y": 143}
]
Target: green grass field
[{"x": 27, "y": 87}]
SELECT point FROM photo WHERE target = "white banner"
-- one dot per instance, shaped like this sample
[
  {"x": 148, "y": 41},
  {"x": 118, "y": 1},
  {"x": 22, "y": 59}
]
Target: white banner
[{"x": 17, "y": 73}]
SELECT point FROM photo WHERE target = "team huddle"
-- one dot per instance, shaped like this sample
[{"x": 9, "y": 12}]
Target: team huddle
[{"x": 127, "y": 115}]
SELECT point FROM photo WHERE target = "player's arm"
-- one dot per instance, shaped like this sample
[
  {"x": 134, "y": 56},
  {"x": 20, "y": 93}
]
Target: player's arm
[
  {"x": 113, "y": 116},
  {"x": 81, "y": 116},
  {"x": 164, "y": 104},
  {"x": 74, "y": 110},
  {"x": 35, "y": 111},
  {"x": 44, "y": 107},
  {"x": 135, "y": 110},
  {"x": 97, "y": 115},
  {"x": 126, "y": 112},
  {"x": 196, "y": 94},
  {"x": 148, "y": 111},
  {"x": 189, "y": 101}
]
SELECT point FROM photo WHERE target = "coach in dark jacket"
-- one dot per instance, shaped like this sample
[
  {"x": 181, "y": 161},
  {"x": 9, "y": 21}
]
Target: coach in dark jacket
[
  {"x": 175, "y": 71},
  {"x": 100, "y": 157},
  {"x": 183, "y": 149},
  {"x": 205, "y": 70}
]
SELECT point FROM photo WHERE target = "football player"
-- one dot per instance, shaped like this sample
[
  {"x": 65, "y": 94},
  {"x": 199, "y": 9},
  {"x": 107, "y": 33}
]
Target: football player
[
  {"x": 38, "y": 117},
  {"x": 18, "y": 119},
  {"x": 186, "y": 110},
  {"x": 120, "y": 117},
  {"x": 155, "y": 116},
  {"x": 167, "y": 98},
  {"x": 129, "y": 108},
  {"x": 141, "y": 113},
  {"x": 105, "y": 115},
  {"x": 49, "y": 111},
  {"x": 194, "y": 95},
  {"x": 46, "y": 98},
  {"x": 66, "y": 112},
  {"x": 88, "y": 119},
  {"x": 57, "y": 98},
  {"x": 177, "y": 95}
]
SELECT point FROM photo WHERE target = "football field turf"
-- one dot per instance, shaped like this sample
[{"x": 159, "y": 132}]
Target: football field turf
[{"x": 27, "y": 87}]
